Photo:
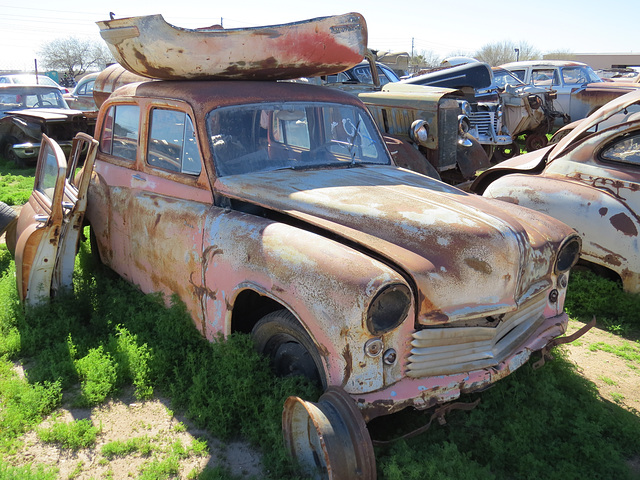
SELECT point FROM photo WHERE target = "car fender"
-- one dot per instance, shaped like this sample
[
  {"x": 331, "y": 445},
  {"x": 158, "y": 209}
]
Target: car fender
[
  {"x": 327, "y": 285},
  {"x": 592, "y": 212}
]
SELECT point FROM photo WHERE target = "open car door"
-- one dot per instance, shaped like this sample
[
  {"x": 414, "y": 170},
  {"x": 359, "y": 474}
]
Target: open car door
[{"x": 50, "y": 223}]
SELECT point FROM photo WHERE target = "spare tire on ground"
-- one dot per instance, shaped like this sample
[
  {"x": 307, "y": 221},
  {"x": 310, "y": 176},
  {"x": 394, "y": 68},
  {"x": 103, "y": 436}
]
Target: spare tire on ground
[{"x": 8, "y": 221}]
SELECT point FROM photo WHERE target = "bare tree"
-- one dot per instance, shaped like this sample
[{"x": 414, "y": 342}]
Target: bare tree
[
  {"x": 74, "y": 55},
  {"x": 504, "y": 52},
  {"x": 424, "y": 60}
]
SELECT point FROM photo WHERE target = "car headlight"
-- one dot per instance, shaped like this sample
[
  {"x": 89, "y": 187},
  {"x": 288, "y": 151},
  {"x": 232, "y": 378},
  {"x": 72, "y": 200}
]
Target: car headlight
[
  {"x": 568, "y": 254},
  {"x": 389, "y": 308}
]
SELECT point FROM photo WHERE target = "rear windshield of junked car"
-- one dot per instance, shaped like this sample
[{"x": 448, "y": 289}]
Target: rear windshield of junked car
[{"x": 273, "y": 136}]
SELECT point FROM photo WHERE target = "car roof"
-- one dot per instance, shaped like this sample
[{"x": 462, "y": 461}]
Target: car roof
[
  {"x": 25, "y": 88},
  {"x": 206, "y": 95},
  {"x": 28, "y": 76},
  {"x": 543, "y": 63}
]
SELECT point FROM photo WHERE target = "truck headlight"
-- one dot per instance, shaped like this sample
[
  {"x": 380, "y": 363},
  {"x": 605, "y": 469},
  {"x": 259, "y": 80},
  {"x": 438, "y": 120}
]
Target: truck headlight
[
  {"x": 568, "y": 254},
  {"x": 465, "y": 107},
  {"x": 389, "y": 308},
  {"x": 419, "y": 132}
]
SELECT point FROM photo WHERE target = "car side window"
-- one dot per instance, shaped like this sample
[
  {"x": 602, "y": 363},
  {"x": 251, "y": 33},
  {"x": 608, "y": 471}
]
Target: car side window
[
  {"x": 87, "y": 88},
  {"x": 544, "y": 77},
  {"x": 519, "y": 73},
  {"x": 46, "y": 181},
  {"x": 172, "y": 142},
  {"x": 574, "y": 76},
  {"x": 624, "y": 150},
  {"x": 120, "y": 131}
]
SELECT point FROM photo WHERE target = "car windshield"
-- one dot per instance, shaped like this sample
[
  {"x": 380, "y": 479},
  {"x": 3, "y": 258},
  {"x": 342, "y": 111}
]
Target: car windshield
[
  {"x": 579, "y": 75},
  {"x": 502, "y": 77},
  {"x": 21, "y": 98},
  {"x": 272, "y": 136}
]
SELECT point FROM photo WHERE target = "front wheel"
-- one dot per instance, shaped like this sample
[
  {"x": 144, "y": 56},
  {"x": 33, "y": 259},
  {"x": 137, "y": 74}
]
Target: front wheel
[{"x": 281, "y": 338}]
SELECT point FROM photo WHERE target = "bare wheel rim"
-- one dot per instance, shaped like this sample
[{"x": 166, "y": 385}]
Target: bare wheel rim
[{"x": 329, "y": 438}]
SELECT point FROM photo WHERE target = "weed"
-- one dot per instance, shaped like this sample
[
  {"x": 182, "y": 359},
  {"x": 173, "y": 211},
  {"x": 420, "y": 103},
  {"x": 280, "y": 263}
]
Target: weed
[
  {"x": 627, "y": 351},
  {"x": 74, "y": 435},
  {"x": 617, "y": 397},
  {"x": 608, "y": 381},
  {"x": 27, "y": 472},
  {"x": 141, "y": 445},
  {"x": 160, "y": 469},
  {"x": 97, "y": 372},
  {"x": 76, "y": 471}
]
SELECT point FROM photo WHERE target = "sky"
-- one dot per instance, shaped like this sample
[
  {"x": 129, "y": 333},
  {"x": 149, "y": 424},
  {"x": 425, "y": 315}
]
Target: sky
[{"x": 457, "y": 28}]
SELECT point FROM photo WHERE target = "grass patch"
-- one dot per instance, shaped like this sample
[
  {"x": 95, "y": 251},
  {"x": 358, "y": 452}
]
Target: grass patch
[
  {"x": 140, "y": 445},
  {"x": 16, "y": 184},
  {"x": 74, "y": 435},
  {"x": 616, "y": 310},
  {"x": 627, "y": 351}
]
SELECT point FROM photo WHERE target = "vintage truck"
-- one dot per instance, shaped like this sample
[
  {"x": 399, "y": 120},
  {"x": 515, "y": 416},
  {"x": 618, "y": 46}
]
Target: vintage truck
[
  {"x": 425, "y": 128},
  {"x": 275, "y": 209}
]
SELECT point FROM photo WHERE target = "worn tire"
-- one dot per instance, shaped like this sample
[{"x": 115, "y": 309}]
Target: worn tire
[
  {"x": 9, "y": 154},
  {"x": 280, "y": 337},
  {"x": 504, "y": 152},
  {"x": 7, "y": 216}
]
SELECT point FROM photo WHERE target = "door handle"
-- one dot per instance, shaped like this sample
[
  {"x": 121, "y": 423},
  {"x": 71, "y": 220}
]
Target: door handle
[{"x": 138, "y": 177}]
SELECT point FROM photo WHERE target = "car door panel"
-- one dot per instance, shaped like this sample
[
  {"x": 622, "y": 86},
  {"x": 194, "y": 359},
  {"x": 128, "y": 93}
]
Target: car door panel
[{"x": 53, "y": 214}]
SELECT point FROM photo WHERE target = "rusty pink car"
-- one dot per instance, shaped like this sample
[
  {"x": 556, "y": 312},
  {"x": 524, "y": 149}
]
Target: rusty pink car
[{"x": 275, "y": 209}]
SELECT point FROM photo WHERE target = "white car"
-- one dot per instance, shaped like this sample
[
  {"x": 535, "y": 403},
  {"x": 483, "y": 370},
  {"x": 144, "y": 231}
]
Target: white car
[
  {"x": 26, "y": 79},
  {"x": 580, "y": 90}
]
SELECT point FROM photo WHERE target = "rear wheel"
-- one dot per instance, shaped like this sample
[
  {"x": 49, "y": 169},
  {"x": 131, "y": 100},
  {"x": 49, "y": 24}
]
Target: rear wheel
[
  {"x": 9, "y": 154},
  {"x": 281, "y": 338},
  {"x": 535, "y": 141},
  {"x": 504, "y": 152}
]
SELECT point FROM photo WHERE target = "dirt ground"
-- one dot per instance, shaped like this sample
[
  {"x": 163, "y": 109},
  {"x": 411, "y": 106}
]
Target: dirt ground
[
  {"x": 124, "y": 418},
  {"x": 617, "y": 379}
]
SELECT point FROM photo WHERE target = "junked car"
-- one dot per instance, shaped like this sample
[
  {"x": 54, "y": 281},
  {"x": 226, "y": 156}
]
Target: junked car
[
  {"x": 526, "y": 109},
  {"x": 27, "y": 79},
  {"x": 579, "y": 90},
  {"x": 275, "y": 209},
  {"x": 29, "y": 111},
  {"x": 590, "y": 180},
  {"x": 81, "y": 97}
]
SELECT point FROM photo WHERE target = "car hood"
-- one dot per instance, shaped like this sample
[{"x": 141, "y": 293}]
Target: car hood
[
  {"x": 48, "y": 114},
  {"x": 467, "y": 256}
]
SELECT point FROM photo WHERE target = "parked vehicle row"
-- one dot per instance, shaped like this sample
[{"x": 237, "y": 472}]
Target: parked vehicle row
[{"x": 29, "y": 111}]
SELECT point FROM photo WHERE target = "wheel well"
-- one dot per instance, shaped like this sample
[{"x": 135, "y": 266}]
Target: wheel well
[
  {"x": 249, "y": 307},
  {"x": 599, "y": 270}
]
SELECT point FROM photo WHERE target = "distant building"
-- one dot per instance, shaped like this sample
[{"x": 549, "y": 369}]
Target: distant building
[{"x": 599, "y": 61}]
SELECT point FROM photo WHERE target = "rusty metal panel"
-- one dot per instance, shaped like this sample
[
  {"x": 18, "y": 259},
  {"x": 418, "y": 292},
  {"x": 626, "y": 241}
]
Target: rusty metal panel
[
  {"x": 151, "y": 47},
  {"x": 467, "y": 257}
]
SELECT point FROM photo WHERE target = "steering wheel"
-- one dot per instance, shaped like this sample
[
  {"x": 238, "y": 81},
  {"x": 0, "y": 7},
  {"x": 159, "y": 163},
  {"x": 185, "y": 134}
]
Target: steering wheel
[{"x": 43, "y": 103}]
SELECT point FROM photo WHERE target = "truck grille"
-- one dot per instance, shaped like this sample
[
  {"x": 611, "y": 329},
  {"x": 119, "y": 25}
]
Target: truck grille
[
  {"x": 485, "y": 123},
  {"x": 449, "y": 350}
]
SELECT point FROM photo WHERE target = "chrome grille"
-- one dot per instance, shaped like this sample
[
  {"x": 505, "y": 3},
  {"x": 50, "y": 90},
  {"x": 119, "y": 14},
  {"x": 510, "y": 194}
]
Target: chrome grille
[
  {"x": 485, "y": 123},
  {"x": 445, "y": 351}
]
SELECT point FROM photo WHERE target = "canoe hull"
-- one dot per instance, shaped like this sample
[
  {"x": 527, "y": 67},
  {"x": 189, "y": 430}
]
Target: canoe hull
[{"x": 153, "y": 48}]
